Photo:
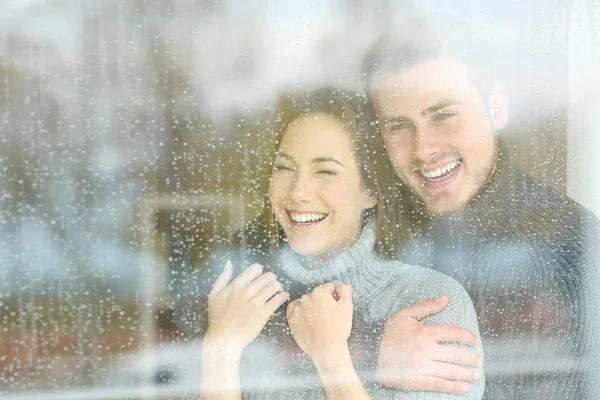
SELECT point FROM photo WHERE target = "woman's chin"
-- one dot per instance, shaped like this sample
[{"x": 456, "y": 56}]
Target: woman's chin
[{"x": 306, "y": 249}]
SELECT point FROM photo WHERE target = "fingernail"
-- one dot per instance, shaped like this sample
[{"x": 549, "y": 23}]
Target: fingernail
[
  {"x": 228, "y": 265},
  {"x": 466, "y": 388},
  {"x": 441, "y": 298},
  {"x": 476, "y": 375},
  {"x": 480, "y": 361}
]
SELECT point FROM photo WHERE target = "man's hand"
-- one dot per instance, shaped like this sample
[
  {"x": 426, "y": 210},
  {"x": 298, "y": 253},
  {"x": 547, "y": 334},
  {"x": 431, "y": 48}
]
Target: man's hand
[{"x": 413, "y": 357}]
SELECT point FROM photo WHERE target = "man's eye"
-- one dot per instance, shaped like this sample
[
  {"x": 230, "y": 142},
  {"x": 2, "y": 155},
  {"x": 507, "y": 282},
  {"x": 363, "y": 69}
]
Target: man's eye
[
  {"x": 399, "y": 126},
  {"x": 328, "y": 172},
  {"x": 443, "y": 116}
]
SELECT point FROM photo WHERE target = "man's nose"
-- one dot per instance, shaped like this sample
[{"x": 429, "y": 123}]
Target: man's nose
[{"x": 426, "y": 143}]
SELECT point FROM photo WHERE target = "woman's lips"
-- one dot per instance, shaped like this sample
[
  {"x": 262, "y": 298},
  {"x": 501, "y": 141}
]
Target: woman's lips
[{"x": 305, "y": 220}]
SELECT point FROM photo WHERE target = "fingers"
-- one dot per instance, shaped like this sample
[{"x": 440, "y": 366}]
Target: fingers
[
  {"x": 338, "y": 290},
  {"x": 325, "y": 291},
  {"x": 457, "y": 356},
  {"x": 452, "y": 372},
  {"x": 425, "y": 308},
  {"x": 328, "y": 287},
  {"x": 344, "y": 292},
  {"x": 265, "y": 280},
  {"x": 435, "y": 384},
  {"x": 268, "y": 291},
  {"x": 247, "y": 276},
  {"x": 276, "y": 302},
  {"x": 452, "y": 334},
  {"x": 223, "y": 279},
  {"x": 289, "y": 311}
]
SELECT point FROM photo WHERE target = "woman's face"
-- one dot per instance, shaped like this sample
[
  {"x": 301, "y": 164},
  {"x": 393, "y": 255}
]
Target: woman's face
[{"x": 315, "y": 188}]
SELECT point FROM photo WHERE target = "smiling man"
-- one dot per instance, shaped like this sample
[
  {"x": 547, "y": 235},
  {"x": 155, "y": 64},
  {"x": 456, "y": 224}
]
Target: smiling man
[
  {"x": 439, "y": 134},
  {"x": 527, "y": 255}
]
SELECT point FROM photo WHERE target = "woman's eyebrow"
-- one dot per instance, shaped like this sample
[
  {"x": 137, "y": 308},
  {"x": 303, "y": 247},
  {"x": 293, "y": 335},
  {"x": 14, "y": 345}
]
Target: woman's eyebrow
[
  {"x": 283, "y": 155},
  {"x": 326, "y": 159}
]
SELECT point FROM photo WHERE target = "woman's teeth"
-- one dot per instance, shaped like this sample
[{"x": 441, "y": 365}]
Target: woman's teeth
[
  {"x": 451, "y": 166},
  {"x": 306, "y": 217}
]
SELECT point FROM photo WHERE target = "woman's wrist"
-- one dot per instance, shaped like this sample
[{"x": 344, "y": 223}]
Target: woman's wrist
[
  {"x": 220, "y": 370},
  {"x": 219, "y": 349},
  {"x": 337, "y": 373},
  {"x": 331, "y": 360}
]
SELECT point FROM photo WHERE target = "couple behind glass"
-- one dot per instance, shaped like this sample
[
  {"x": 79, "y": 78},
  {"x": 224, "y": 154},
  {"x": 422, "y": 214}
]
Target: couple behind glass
[{"x": 334, "y": 225}]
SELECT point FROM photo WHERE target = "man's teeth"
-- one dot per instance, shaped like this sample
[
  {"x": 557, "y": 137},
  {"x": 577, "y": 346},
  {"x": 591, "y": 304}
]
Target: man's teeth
[
  {"x": 307, "y": 217},
  {"x": 441, "y": 171}
]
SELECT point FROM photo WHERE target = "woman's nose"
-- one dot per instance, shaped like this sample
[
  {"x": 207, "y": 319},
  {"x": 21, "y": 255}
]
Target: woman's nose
[{"x": 302, "y": 189}]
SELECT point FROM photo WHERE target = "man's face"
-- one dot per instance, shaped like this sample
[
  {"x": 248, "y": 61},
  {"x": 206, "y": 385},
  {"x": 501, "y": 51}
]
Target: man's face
[{"x": 438, "y": 132}]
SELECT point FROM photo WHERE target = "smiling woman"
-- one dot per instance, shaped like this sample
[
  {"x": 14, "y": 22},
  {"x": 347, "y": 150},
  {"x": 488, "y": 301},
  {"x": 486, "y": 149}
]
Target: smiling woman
[
  {"x": 316, "y": 189},
  {"x": 330, "y": 165}
]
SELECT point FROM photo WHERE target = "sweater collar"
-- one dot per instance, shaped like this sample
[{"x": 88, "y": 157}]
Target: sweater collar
[
  {"x": 358, "y": 266},
  {"x": 499, "y": 194},
  {"x": 496, "y": 198}
]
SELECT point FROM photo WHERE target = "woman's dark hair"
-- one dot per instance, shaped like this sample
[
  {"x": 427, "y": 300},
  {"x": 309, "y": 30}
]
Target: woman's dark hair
[{"x": 352, "y": 110}]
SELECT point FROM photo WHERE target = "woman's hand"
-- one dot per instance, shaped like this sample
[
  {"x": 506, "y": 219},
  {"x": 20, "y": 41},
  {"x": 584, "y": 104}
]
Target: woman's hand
[
  {"x": 238, "y": 311},
  {"x": 321, "y": 321}
]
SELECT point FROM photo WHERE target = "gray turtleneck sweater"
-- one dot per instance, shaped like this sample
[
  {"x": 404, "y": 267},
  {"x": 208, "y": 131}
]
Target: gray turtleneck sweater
[{"x": 274, "y": 367}]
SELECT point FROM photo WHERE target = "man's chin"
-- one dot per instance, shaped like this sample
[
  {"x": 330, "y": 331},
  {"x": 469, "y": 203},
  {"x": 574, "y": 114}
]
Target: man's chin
[{"x": 443, "y": 205}]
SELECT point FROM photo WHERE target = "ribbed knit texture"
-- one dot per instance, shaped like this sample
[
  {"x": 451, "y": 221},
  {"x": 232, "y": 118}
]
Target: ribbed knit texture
[
  {"x": 529, "y": 258},
  {"x": 274, "y": 367}
]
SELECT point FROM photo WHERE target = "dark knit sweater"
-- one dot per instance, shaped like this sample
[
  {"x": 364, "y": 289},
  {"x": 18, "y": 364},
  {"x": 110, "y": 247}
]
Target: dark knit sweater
[
  {"x": 274, "y": 367},
  {"x": 529, "y": 258}
]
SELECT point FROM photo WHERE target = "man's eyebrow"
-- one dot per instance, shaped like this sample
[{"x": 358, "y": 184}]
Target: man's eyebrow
[
  {"x": 429, "y": 110},
  {"x": 325, "y": 159},
  {"x": 439, "y": 105}
]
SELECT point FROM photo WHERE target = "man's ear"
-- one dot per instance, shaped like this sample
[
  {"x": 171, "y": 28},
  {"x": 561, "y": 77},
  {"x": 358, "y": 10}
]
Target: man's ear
[{"x": 498, "y": 106}]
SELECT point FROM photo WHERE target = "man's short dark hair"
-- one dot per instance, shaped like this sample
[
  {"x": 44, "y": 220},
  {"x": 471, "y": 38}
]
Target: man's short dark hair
[{"x": 426, "y": 38}]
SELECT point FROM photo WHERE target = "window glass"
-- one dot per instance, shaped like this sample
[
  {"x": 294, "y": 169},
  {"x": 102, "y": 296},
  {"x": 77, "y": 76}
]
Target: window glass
[{"x": 135, "y": 137}]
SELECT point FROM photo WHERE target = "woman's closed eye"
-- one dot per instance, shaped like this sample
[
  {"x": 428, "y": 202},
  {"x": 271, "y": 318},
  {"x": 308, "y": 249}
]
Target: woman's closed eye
[
  {"x": 281, "y": 167},
  {"x": 328, "y": 172}
]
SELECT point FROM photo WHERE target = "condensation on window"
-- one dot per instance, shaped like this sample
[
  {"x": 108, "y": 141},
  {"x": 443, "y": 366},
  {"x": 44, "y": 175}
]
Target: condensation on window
[{"x": 135, "y": 135}]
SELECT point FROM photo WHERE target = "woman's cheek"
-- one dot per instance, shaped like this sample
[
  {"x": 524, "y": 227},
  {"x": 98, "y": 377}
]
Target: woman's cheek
[{"x": 274, "y": 190}]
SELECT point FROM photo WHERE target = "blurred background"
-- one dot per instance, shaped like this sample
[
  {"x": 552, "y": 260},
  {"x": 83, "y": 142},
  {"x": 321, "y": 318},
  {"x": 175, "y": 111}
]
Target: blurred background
[{"x": 133, "y": 140}]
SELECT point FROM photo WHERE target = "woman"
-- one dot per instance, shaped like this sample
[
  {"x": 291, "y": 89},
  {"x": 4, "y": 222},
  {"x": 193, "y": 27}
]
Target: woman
[{"x": 330, "y": 219}]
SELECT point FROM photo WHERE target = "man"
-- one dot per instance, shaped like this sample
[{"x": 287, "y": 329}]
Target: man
[{"x": 527, "y": 255}]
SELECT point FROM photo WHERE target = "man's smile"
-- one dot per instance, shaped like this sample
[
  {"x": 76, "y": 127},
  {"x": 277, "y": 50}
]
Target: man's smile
[{"x": 441, "y": 173}]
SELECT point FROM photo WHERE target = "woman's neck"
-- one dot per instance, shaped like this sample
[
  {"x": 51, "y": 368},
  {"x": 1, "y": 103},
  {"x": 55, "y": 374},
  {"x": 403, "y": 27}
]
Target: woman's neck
[{"x": 320, "y": 261}]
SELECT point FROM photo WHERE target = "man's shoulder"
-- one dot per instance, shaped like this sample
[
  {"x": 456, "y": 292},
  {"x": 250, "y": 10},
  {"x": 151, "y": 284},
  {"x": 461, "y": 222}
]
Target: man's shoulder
[{"x": 543, "y": 207}]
